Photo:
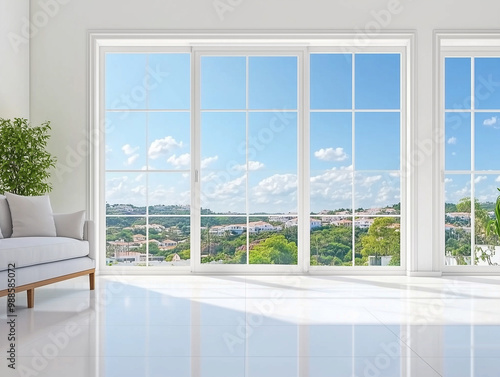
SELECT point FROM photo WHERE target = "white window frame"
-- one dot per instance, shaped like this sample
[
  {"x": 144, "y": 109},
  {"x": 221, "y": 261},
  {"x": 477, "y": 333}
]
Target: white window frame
[
  {"x": 302, "y": 44},
  {"x": 455, "y": 44}
]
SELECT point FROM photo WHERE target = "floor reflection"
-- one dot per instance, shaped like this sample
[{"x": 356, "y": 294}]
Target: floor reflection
[{"x": 259, "y": 326}]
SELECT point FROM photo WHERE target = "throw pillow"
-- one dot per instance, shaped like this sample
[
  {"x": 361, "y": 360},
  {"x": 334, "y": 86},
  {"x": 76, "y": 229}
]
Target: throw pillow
[
  {"x": 70, "y": 224},
  {"x": 31, "y": 216},
  {"x": 5, "y": 219}
]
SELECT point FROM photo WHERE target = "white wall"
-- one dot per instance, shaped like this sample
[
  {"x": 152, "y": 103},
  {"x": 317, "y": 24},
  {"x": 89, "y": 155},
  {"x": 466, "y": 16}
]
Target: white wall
[
  {"x": 14, "y": 60},
  {"x": 59, "y": 61}
]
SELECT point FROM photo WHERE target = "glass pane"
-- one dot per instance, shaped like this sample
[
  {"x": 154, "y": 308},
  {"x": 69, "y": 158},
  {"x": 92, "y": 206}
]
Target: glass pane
[
  {"x": 272, "y": 82},
  {"x": 379, "y": 239},
  {"x": 125, "y": 194},
  {"x": 223, "y": 82},
  {"x": 331, "y": 140},
  {"x": 271, "y": 244},
  {"x": 487, "y": 241},
  {"x": 275, "y": 148},
  {"x": 331, "y": 191},
  {"x": 331, "y": 241},
  {"x": 457, "y": 83},
  {"x": 169, "y": 141},
  {"x": 169, "y": 192},
  {"x": 123, "y": 237},
  {"x": 223, "y": 162},
  {"x": 487, "y": 82},
  {"x": 126, "y": 81},
  {"x": 223, "y": 141},
  {"x": 331, "y": 81},
  {"x": 458, "y": 143},
  {"x": 457, "y": 219},
  {"x": 487, "y": 140},
  {"x": 272, "y": 167},
  {"x": 169, "y": 241},
  {"x": 377, "y": 79},
  {"x": 377, "y": 141},
  {"x": 377, "y": 193},
  {"x": 125, "y": 141},
  {"x": 223, "y": 240},
  {"x": 169, "y": 81}
]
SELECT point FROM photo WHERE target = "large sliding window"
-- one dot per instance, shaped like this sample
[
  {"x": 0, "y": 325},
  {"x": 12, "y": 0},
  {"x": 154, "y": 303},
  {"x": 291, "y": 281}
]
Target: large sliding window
[
  {"x": 355, "y": 185},
  {"x": 471, "y": 118},
  {"x": 251, "y": 157}
]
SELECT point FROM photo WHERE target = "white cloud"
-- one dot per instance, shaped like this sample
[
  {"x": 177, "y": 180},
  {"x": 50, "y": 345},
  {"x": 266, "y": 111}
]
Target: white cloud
[
  {"x": 452, "y": 140},
  {"x": 128, "y": 149},
  {"x": 464, "y": 191},
  {"x": 108, "y": 149},
  {"x": 114, "y": 186},
  {"x": 331, "y": 154},
  {"x": 368, "y": 181},
  {"x": 275, "y": 189},
  {"x": 219, "y": 194},
  {"x": 160, "y": 147},
  {"x": 331, "y": 189},
  {"x": 480, "y": 178},
  {"x": 386, "y": 192},
  {"x": 132, "y": 159},
  {"x": 498, "y": 179},
  {"x": 139, "y": 190},
  {"x": 180, "y": 162},
  {"x": 491, "y": 121},
  {"x": 448, "y": 180},
  {"x": 207, "y": 161},
  {"x": 252, "y": 166},
  {"x": 278, "y": 184}
]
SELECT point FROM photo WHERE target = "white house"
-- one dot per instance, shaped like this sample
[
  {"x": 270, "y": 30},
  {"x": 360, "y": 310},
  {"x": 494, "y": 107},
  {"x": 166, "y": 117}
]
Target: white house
[
  {"x": 459, "y": 215},
  {"x": 314, "y": 223}
]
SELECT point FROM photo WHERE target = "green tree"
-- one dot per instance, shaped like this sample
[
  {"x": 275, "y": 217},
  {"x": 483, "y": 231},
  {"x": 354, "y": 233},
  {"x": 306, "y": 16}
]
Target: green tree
[
  {"x": 274, "y": 250},
  {"x": 464, "y": 205},
  {"x": 382, "y": 239}
]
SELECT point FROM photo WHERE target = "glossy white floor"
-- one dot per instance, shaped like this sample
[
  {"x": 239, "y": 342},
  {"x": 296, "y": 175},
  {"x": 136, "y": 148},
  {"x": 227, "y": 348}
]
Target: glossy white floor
[{"x": 259, "y": 326}]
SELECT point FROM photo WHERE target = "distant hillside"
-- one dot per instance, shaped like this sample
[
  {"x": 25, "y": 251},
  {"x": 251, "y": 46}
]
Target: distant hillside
[{"x": 452, "y": 207}]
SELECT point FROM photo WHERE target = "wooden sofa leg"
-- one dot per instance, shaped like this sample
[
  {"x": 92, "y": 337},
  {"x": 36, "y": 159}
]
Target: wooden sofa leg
[
  {"x": 92, "y": 281},
  {"x": 31, "y": 297}
]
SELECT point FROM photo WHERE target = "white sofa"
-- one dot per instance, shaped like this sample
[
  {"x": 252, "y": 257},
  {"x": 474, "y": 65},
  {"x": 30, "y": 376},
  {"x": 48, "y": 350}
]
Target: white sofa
[{"x": 43, "y": 260}]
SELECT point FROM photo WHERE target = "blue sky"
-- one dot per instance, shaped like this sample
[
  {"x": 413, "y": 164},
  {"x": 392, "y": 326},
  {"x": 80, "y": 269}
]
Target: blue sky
[{"x": 249, "y": 132}]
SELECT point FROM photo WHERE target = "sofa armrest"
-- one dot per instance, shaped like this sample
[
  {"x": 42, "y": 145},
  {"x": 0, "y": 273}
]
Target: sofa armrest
[{"x": 89, "y": 235}]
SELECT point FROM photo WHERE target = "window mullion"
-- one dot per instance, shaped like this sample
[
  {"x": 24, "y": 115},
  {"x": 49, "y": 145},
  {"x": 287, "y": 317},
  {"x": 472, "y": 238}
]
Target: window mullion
[
  {"x": 472, "y": 166},
  {"x": 195, "y": 162}
]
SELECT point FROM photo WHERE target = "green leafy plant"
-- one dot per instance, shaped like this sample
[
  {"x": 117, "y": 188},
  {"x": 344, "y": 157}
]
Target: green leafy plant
[
  {"x": 492, "y": 228},
  {"x": 494, "y": 225},
  {"x": 24, "y": 162}
]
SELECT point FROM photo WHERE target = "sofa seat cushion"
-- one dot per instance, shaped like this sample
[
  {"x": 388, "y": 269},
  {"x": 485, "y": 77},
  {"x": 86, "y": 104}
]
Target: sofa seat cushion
[{"x": 29, "y": 251}]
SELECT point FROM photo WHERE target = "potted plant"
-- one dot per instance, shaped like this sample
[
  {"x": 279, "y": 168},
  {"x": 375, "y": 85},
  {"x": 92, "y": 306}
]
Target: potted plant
[{"x": 24, "y": 162}]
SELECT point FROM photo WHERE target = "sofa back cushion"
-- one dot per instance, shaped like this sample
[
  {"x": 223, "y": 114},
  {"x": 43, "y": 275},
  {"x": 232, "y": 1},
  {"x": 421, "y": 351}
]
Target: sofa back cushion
[
  {"x": 31, "y": 216},
  {"x": 5, "y": 219}
]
